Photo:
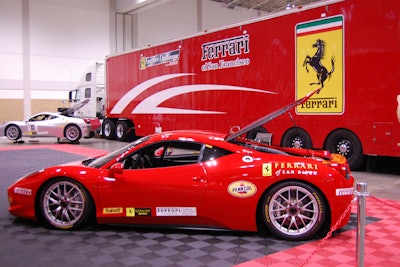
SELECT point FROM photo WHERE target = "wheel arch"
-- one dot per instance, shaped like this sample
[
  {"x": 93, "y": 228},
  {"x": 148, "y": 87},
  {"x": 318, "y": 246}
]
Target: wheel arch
[
  {"x": 327, "y": 224},
  {"x": 51, "y": 180}
]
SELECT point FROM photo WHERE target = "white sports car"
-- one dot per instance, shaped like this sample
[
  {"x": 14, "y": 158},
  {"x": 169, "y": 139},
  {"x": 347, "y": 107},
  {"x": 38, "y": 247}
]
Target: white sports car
[{"x": 49, "y": 124}]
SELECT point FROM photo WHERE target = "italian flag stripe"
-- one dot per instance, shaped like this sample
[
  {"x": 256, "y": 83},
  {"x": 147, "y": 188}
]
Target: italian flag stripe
[{"x": 335, "y": 23}]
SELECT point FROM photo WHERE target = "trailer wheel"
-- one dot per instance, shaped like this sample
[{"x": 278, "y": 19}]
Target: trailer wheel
[
  {"x": 347, "y": 144},
  {"x": 296, "y": 138},
  {"x": 122, "y": 131},
  {"x": 108, "y": 129}
]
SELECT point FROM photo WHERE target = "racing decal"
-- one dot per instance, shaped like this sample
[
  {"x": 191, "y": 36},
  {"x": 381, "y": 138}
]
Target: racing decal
[
  {"x": 267, "y": 169},
  {"x": 150, "y": 105},
  {"x": 299, "y": 168},
  {"x": 168, "y": 58},
  {"x": 296, "y": 165},
  {"x": 234, "y": 46},
  {"x": 319, "y": 64},
  {"x": 116, "y": 210},
  {"x": 344, "y": 191},
  {"x": 133, "y": 212},
  {"x": 176, "y": 211},
  {"x": 23, "y": 191},
  {"x": 247, "y": 159},
  {"x": 242, "y": 189}
]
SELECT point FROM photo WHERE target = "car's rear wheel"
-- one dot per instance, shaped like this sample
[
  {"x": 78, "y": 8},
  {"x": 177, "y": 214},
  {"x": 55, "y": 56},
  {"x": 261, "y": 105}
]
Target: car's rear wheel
[
  {"x": 293, "y": 210},
  {"x": 13, "y": 132},
  {"x": 73, "y": 133},
  {"x": 65, "y": 204}
]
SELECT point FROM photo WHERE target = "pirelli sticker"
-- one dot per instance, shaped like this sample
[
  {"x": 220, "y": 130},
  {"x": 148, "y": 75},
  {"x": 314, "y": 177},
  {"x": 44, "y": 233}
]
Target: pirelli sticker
[{"x": 320, "y": 64}]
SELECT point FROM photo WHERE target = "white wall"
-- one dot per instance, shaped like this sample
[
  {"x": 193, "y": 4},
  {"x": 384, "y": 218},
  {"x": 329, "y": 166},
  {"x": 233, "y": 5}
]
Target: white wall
[
  {"x": 10, "y": 48},
  {"x": 178, "y": 18},
  {"x": 64, "y": 37}
]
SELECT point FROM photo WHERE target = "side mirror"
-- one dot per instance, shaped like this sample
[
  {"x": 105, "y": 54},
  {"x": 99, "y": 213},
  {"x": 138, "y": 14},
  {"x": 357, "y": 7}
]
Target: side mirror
[{"x": 117, "y": 168}]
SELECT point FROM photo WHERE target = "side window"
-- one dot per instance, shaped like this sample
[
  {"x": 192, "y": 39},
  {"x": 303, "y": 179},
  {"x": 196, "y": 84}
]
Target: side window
[
  {"x": 40, "y": 117},
  {"x": 179, "y": 153},
  {"x": 164, "y": 154},
  {"x": 212, "y": 152},
  {"x": 88, "y": 92}
]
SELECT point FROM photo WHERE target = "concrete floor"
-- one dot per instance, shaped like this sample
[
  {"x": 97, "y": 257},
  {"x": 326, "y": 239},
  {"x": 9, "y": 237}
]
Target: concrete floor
[{"x": 382, "y": 175}]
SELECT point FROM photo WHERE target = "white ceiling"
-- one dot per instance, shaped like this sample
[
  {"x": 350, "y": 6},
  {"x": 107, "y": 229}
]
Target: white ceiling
[{"x": 131, "y": 6}]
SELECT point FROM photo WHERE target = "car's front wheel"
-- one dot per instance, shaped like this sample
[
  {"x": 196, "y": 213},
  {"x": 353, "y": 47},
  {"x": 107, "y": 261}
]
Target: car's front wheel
[
  {"x": 65, "y": 204},
  {"x": 73, "y": 133},
  {"x": 13, "y": 132},
  {"x": 293, "y": 210}
]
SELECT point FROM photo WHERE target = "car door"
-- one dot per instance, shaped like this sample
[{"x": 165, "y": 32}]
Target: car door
[
  {"x": 35, "y": 125},
  {"x": 40, "y": 125},
  {"x": 166, "y": 180}
]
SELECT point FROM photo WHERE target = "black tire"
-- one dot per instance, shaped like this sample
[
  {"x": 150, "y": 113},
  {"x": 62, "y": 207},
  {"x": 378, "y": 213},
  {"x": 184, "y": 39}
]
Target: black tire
[
  {"x": 346, "y": 143},
  {"x": 73, "y": 133},
  {"x": 65, "y": 204},
  {"x": 252, "y": 134},
  {"x": 124, "y": 131},
  {"x": 296, "y": 138},
  {"x": 293, "y": 211},
  {"x": 108, "y": 129},
  {"x": 13, "y": 132}
]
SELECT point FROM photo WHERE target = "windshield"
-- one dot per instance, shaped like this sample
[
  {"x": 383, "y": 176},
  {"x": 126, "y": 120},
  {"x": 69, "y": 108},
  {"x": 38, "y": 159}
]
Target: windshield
[{"x": 99, "y": 162}]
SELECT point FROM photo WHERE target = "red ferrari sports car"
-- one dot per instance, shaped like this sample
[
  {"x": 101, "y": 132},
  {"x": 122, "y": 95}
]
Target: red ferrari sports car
[{"x": 194, "y": 179}]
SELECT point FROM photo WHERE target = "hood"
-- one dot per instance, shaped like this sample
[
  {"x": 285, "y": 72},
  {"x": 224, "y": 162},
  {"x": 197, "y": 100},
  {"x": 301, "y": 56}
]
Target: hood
[{"x": 270, "y": 116}]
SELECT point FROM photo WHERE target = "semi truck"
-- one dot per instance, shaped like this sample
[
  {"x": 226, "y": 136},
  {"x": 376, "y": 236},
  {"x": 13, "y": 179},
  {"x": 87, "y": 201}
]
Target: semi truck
[{"x": 230, "y": 76}]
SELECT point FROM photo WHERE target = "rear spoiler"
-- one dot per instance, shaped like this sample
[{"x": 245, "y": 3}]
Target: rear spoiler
[{"x": 270, "y": 116}]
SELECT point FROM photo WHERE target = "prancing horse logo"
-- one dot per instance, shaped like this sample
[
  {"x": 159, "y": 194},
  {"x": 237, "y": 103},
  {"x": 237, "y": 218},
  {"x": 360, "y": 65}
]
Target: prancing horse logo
[{"x": 316, "y": 64}]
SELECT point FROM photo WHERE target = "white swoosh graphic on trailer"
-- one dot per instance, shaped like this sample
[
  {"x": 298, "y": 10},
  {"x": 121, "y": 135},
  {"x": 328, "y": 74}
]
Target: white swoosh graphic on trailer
[
  {"x": 150, "y": 104},
  {"x": 135, "y": 91}
]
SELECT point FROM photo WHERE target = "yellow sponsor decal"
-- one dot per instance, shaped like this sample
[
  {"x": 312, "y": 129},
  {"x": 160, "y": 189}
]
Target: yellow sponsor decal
[
  {"x": 267, "y": 169},
  {"x": 116, "y": 210},
  {"x": 132, "y": 212},
  {"x": 242, "y": 189}
]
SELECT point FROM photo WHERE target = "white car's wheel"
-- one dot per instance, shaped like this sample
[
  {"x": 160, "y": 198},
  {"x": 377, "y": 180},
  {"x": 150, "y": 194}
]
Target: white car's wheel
[
  {"x": 13, "y": 132},
  {"x": 72, "y": 133},
  {"x": 293, "y": 211}
]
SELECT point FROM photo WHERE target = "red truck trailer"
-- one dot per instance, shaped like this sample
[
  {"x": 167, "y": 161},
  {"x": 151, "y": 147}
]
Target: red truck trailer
[{"x": 231, "y": 76}]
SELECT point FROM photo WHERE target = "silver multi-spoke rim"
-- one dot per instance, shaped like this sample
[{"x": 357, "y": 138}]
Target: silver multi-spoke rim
[
  {"x": 72, "y": 133},
  {"x": 63, "y": 204},
  {"x": 12, "y": 132},
  {"x": 293, "y": 210}
]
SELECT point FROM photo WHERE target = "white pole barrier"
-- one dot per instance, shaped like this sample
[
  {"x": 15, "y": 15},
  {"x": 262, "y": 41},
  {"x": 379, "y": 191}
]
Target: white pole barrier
[{"x": 361, "y": 207}]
